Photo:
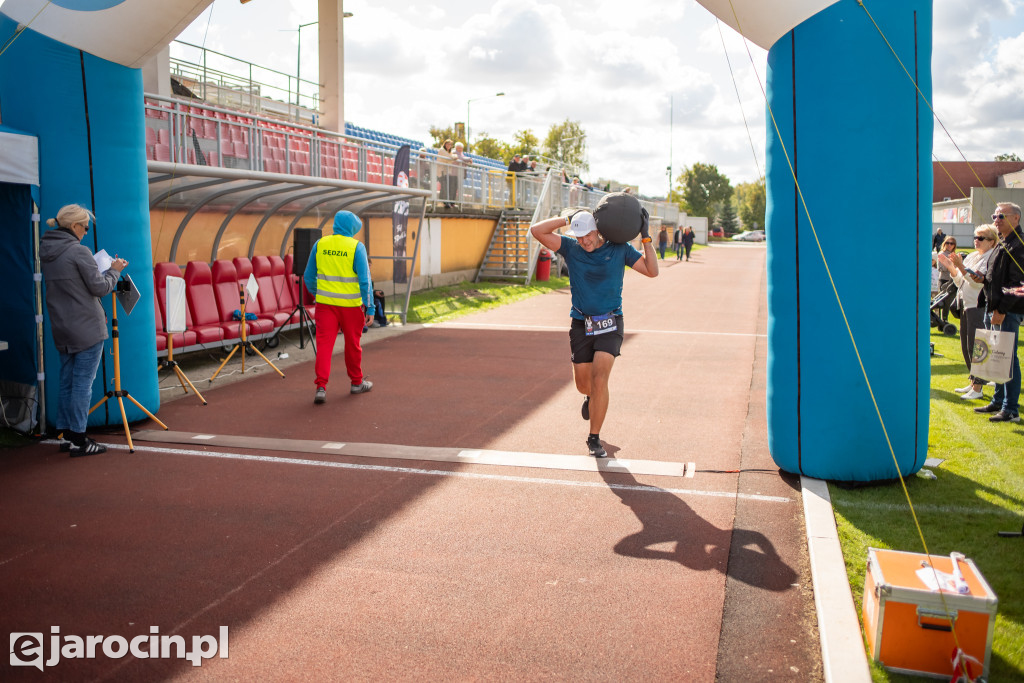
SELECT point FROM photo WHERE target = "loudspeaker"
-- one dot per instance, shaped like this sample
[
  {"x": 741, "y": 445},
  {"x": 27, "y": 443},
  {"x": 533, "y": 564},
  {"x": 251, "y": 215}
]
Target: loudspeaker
[{"x": 303, "y": 240}]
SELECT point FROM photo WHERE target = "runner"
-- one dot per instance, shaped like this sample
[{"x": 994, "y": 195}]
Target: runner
[{"x": 596, "y": 269}]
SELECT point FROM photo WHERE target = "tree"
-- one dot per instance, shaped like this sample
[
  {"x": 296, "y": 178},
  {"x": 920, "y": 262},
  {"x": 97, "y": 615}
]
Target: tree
[
  {"x": 727, "y": 218},
  {"x": 525, "y": 143},
  {"x": 491, "y": 148},
  {"x": 567, "y": 142},
  {"x": 751, "y": 202},
  {"x": 702, "y": 186},
  {"x": 1007, "y": 157},
  {"x": 441, "y": 134}
]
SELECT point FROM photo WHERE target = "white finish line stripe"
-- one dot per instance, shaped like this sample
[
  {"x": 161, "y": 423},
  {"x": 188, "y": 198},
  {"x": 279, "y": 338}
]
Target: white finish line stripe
[
  {"x": 551, "y": 461},
  {"x": 564, "y": 328},
  {"x": 445, "y": 473}
]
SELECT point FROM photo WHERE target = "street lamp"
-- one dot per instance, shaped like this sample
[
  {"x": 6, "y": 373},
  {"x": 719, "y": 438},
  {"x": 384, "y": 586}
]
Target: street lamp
[
  {"x": 298, "y": 62},
  {"x": 500, "y": 94}
]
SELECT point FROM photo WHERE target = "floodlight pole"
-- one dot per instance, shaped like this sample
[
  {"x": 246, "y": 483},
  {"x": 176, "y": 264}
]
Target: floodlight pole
[
  {"x": 500, "y": 94},
  {"x": 298, "y": 64}
]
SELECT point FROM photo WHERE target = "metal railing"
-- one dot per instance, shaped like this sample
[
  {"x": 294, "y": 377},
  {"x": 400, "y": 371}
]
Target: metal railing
[
  {"x": 180, "y": 131},
  {"x": 227, "y": 81}
]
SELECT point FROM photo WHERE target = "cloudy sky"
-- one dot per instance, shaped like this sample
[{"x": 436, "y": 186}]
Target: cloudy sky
[{"x": 648, "y": 81}]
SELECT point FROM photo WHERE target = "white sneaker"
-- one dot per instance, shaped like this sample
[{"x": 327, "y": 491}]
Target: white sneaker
[
  {"x": 971, "y": 395},
  {"x": 964, "y": 390}
]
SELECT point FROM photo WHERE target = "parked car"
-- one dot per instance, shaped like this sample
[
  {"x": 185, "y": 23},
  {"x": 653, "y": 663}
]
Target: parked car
[{"x": 750, "y": 236}]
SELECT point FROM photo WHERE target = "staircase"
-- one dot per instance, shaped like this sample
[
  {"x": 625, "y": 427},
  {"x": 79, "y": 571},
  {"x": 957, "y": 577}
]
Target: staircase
[{"x": 508, "y": 255}]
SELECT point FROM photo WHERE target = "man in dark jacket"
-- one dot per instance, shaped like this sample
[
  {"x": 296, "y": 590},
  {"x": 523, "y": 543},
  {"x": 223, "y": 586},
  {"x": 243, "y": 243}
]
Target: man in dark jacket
[
  {"x": 937, "y": 239},
  {"x": 74, "y": 285},
  {"x": 1004, "y": 311}
]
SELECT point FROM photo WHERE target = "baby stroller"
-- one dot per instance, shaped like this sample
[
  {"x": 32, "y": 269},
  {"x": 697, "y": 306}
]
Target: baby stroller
[{"x": 936, "y": 305}]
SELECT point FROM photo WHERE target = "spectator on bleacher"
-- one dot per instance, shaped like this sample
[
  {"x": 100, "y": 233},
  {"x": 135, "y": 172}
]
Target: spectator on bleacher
[
  {"x": 516, "y": 165},
  {"x": 533, "y": 168},
  {"x": 446, "y": 173},
  {"x": 74, "y": 286},
  {"x": 338, "y": 274},
  {"x": 1004, "y": 309},
  {"x": 460, "y": 156}
]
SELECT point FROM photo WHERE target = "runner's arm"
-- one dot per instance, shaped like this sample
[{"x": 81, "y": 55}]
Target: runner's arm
[
  {"x": 544, "y": 232},
  {"x": 648, "y": 265}
]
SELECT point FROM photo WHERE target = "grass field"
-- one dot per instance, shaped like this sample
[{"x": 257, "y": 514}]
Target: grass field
[{"x": 978, "y": 491}]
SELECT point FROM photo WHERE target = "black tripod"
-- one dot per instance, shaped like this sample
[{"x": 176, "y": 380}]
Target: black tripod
[
  {"x": 305, "y": 324},
  {"x": 1013, "y": 534}
]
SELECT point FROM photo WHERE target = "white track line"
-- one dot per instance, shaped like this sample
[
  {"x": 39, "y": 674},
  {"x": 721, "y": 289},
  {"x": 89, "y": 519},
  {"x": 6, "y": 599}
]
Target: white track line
[{"x": 445, "y": 473}]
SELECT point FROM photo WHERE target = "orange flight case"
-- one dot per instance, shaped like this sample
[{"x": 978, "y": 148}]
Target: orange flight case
[{"x": 910, "y": 627}]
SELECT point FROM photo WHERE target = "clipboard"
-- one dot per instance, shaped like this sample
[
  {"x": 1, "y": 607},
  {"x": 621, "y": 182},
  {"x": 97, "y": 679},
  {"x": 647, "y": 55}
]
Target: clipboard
[{"x": 127, "y": 293}]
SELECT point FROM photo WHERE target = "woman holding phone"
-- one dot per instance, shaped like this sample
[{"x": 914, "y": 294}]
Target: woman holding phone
[{"x": 969, "y": 275}]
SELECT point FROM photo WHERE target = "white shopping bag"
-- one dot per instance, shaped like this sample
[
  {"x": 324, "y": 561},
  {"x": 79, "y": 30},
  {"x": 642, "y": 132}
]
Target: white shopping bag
[{"x": 992, "y": 355}]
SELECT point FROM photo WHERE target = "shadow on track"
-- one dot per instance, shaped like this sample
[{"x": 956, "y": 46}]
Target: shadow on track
[{"x": 698, "y": 545}]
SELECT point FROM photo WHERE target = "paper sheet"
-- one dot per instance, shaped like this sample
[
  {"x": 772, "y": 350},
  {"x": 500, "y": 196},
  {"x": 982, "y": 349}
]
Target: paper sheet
[{"x": 103, "y": 260}]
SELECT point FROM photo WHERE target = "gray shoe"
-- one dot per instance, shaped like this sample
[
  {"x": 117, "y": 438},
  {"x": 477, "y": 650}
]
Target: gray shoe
[
  {"x": 362, "y": 388},
  {"x": 1005, "y": 416},
  {"x": 321, "y": 395}
]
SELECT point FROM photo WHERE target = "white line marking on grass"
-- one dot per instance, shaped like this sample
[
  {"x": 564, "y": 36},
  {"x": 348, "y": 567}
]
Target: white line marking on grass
[
  {"x": 446, "y": 473},
  {"x": 926, "y": 507},
  {"x": 561, "y": 328}
]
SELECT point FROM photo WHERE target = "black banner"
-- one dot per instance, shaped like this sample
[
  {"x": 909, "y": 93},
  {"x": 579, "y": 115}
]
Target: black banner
[{"x": 400, "y": 214}]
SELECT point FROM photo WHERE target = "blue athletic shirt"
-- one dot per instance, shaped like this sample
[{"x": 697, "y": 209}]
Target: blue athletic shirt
[{"x": 595, "y": 277}]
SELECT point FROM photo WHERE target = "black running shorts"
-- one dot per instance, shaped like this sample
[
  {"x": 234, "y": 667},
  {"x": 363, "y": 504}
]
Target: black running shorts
[{"x": 582, "y": 347}]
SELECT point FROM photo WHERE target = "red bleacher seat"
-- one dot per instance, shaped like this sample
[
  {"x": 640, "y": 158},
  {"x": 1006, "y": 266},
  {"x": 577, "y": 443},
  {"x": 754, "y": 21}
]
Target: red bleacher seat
[
  {"x": 243, "y": 269},
  {"x": 161, "y": 152},
  {"x": 202, "y": 304},
  {"x": 269, "y": 301},
  {"x": 160, "y": 273},
  {"x": 298, "y": 288},
  {"x": 161, "y": 336},
  {"x": 282, "y": 283}
]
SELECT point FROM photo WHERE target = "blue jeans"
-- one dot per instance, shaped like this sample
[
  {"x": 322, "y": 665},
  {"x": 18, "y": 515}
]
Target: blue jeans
[
  {"x": 1008, "y": 395},
  {"x": 77, "y": 372}
]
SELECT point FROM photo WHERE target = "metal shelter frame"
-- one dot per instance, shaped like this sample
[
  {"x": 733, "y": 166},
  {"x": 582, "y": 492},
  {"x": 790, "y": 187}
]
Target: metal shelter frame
[{"x": 192, "y": 187}]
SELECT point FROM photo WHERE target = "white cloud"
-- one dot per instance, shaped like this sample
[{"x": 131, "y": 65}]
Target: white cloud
[{"x": 614, "y": 68}]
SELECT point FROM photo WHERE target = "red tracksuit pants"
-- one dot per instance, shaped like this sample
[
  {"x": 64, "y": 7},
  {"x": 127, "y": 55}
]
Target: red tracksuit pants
[{"x": 329, "y": 319}]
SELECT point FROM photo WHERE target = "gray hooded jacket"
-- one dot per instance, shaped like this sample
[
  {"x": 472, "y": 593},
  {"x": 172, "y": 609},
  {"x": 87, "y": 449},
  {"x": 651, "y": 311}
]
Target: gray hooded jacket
[{"x": 73, "y": 287}]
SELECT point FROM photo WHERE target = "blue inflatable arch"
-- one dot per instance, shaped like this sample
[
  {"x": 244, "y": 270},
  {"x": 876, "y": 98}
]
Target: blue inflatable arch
[{"x": 852, "y": 134}]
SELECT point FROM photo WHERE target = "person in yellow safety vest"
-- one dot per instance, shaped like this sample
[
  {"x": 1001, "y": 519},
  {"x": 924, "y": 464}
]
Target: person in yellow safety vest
[{"x": 338, "y": 273}]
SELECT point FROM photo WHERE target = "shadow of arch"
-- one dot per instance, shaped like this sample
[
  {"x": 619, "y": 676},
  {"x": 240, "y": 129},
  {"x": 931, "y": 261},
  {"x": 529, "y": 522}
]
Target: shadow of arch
[{"x": 688, "y": 539}]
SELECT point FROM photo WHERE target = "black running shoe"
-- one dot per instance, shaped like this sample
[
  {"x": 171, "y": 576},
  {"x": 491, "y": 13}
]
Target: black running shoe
[
  {"x": 596, "y": 449},
  {"x": 585, "y": 411},
  {"x": 87, "y": 447}
]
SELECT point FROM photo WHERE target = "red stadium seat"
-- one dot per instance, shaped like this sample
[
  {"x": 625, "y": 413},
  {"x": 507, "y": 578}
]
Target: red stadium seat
[
  {"x": 160, "y": 273},
  {"x": 269, "y": 302},
  {"x": 202, "y": 304},
  {"x": 243, "y": 269}
]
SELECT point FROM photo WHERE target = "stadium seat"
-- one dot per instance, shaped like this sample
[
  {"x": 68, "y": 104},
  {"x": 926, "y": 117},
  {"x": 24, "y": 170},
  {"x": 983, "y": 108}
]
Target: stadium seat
[
  {"x": 243, "y": 269},
  {"x": 202, "y": 304},
  {"x": 181, "y": 339},
  {"x": 267, "y": 296}
]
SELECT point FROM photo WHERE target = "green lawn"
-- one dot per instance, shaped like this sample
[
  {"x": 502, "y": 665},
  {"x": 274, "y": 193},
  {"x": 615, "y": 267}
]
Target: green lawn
[
  {"x": 444, "y": 303},
  {"x": 979, "y": 490}
]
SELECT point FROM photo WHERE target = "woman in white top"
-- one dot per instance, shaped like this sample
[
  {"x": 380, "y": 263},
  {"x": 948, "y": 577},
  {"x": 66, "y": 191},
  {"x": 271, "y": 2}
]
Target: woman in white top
[{"x": 969, "y": 275}]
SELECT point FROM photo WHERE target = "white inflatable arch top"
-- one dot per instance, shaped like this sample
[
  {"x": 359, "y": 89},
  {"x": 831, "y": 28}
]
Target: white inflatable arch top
[
  {"x": 764, "y": 21},
  {"x": 126, "y": 32}
]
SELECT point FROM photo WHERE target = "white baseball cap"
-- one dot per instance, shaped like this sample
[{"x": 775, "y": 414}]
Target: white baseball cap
[{"x": 583, "y": 223}]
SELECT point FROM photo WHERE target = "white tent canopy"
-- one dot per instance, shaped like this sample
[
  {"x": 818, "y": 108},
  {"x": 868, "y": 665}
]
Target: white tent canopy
[
  {"x": 765, "y": 21},
  {"x": 19, "y": 158}
]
